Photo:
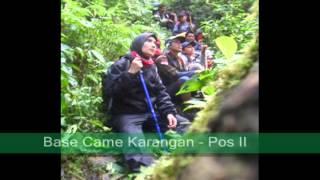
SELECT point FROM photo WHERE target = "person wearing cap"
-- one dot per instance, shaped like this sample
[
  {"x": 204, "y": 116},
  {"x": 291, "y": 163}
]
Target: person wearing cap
[
  {"x": 129, "y": 111},
  {"x": 202, "y": 49},
  {"x": 172, "y": 70},
  {"x": 198, "y": 39},
  {"x": 193, "y": 61},
  {"x": 182, "y": 25},
  {"x": 172, "y": 55}
]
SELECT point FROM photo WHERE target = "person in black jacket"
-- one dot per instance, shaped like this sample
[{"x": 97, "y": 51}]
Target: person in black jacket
[
  {"x": 172, "y": 70},
  {"x": 129, "y": 109}
]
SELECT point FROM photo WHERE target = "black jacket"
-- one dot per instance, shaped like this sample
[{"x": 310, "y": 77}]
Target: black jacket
[
  {"x": 127, "y": 91},
  {"x": 167, "y": 73}
]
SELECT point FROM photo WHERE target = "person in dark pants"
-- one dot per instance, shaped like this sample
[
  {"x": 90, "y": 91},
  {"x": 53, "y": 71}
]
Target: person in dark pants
[{"x": 129, "y": 108}]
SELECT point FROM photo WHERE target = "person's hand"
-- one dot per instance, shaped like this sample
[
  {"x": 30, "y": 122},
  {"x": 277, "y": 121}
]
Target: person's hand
[
  {"x": 172, "y": 121},
  {"x": 210, "y": 63},
  {"x": 203, "y": 48},
  {"x": 135, "y": 65}
]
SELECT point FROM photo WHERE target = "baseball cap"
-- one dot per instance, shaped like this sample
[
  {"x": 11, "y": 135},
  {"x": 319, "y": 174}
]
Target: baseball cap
[{"x": 187, "y": 43}]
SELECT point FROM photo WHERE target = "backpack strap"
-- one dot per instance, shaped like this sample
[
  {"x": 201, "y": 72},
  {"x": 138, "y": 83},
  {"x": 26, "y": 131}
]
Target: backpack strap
[{"x": 106, "y": 97}]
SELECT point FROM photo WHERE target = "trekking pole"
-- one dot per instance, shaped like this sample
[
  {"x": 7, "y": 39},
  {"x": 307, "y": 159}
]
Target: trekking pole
[
  {"x": 146, "y": 92},
  {"x": 154, "y": 117}
]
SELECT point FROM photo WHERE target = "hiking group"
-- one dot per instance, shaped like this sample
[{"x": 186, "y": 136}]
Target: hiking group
[{"x": 142, "y": 84}]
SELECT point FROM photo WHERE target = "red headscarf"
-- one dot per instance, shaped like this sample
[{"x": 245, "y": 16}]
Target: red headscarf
[{"x": 146, "y": 62}]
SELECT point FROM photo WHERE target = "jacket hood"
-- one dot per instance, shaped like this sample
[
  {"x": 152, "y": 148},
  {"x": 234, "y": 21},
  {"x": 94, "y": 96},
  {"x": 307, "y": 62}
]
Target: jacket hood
[{"x": 138, "y": 42}]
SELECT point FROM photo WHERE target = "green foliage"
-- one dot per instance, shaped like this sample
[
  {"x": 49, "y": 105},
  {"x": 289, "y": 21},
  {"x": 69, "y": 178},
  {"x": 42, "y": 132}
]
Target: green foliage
[
  {"x": 209, "y": 9},
  {"x": 240, "y": 27},
  {"x": 73, "y": 166},
  {"x": 94, "y": 34},
  {"x": 195, "y": 104},
  {"x": 198, "y": 81},
  {"x": 80, "y": 88},
  {"x": 203, "y": 82},
  {"x": 227, "y": 45},
  {"x": 97, "y": 32},
  {"x": 235, "y": 23}
]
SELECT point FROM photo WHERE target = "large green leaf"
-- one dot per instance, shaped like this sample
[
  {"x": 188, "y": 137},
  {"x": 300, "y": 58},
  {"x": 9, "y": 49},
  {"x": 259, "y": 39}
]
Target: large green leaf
[
  {"x": 197, "y": 81},
  {"x": 192, "y": 85},
  {"x": 195, "y": 104},
  {"x": 208, "y": 75},
  {"x": 227, "y": 45}
]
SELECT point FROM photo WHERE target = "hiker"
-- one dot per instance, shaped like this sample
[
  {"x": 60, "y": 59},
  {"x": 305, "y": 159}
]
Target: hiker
[
  {"x": 182, "y": 25},
  {"x": 199, "y": 37},
  {"x": 190, "y": 36},
  {"x": 189, "y": 18},
  {"x": 166, "y": 19},
  {"x": 200, "y": 49},
  {"x": 129, "y": 108},
  {"x": 172, "y": 70},
  {"x": 193, "y": 61}
]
